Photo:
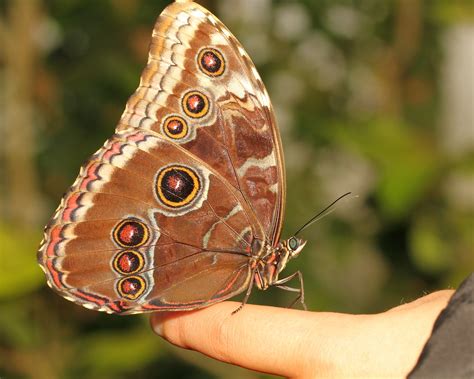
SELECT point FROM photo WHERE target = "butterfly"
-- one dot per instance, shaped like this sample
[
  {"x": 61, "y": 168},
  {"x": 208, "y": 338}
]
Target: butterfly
[{"x": 183, "y": 206}]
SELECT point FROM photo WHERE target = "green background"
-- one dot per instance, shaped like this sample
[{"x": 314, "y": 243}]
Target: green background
[{"x": 373, "y": 97}]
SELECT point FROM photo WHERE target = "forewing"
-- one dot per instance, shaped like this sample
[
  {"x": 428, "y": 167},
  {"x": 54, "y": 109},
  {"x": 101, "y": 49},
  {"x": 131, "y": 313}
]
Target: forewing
[{"x": 236, "y": 132}]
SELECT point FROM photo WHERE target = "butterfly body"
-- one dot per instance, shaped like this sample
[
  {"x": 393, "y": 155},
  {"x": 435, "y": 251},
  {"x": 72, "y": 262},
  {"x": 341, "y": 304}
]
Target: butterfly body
[
  {"x": 182, "y": 207},
  {"x": 273, "y": 260}
]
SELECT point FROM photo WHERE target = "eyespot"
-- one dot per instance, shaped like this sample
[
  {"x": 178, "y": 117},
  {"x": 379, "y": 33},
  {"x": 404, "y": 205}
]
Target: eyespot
[
  {"x": 211, "y": 62},
  {"x": 130, "y": 232},
  {"x": 176, "y": 186},
  {"x": 195, "y": 104},
  {"x": 128, "y": 262},
  {"x": 175, "y": 127},
  {"x": 131, "y": 287}
]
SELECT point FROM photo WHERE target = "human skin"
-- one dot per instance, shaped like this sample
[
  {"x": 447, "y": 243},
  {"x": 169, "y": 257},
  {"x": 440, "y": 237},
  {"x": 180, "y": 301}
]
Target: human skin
[{"x": 302, "y": 344}]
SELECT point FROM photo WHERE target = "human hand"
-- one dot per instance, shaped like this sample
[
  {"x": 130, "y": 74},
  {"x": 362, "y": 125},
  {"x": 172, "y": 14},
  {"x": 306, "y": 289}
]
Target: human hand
[{"x": 301, "y": 344}]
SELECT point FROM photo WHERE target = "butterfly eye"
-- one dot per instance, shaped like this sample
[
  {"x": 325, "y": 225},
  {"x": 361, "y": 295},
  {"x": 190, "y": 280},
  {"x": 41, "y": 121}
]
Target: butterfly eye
[
  {"x": 130, "y": 233},
  {"x": 175, "y": 127},
  {"x": 195, "y": 104},
  {"x": 293, "y": 243},
  {"x": 211, "y": 62}
]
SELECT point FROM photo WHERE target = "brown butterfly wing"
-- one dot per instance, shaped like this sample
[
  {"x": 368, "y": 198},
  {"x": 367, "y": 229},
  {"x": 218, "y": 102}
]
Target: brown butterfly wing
[
  {"x": 184, "y": 256},
  {"x": 121, "y": 243},
  {"x": 237, "y": 135}
]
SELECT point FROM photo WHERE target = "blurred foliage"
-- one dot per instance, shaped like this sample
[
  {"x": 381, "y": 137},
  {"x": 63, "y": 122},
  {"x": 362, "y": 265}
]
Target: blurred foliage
[
  {"x": 360, "y": 91},
  {"x": 20, "y": 273}
]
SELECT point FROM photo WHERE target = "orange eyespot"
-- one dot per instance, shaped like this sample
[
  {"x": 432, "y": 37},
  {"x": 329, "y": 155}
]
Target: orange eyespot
[
  {"x": 130, "y": 232},
  {"x": 177, "y": 186},
  {"x": 195, "y": 104},
  {"x": 128, "y": 262},
  {"x": 131, "y": 287},
  {"x": 211, "y": 62},
  {"x": 175, "y": 127}
]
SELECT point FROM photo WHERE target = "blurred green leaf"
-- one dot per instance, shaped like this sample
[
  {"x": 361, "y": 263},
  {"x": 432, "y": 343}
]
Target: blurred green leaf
[
  {"x": 15, "y": 328},
  {"x": 111, "y": 353},
  {"x": 453, "y": 11},
  {"x": 20, "y": 272},
  {"x": 430, "y": 250},
  {"x": 406, "y": 160}
]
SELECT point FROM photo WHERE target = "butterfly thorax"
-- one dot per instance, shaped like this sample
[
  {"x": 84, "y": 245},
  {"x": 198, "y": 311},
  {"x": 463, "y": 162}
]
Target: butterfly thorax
[{"x": 273, "y": 261}]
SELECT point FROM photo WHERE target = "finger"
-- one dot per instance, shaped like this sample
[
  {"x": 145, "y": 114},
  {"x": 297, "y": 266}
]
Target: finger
[
  {"x": 435, "y": 298},
  {"x": 267, "y": 339}
]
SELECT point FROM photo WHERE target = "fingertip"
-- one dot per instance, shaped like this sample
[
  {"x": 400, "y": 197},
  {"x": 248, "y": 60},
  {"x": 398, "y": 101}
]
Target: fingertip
[
  {"x": 156, "y": 323},
  {"x": 193, "y": 329},
  {"x": 173, "y": 325}
]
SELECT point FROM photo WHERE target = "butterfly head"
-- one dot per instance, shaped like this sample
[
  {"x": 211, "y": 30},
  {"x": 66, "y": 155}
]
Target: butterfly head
[{"x": 294, "y": 246}]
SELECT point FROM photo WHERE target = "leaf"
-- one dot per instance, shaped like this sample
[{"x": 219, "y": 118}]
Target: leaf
[
  {"x": 113, "y": 353},
  {"x": 430, "y": 249},
  {"x": 406, "y": 160},
  {"x": 20, "y": 272}
]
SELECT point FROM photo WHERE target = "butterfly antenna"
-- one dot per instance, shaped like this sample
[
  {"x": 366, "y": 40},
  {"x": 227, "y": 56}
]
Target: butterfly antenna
[{"x": 329, "y": 209}]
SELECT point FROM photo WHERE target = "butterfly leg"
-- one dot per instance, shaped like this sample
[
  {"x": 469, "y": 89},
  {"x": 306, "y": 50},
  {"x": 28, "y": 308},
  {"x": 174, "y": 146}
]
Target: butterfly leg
[
  {"x": 247, "y": 294},
  {"x": 300, "y": 290}
]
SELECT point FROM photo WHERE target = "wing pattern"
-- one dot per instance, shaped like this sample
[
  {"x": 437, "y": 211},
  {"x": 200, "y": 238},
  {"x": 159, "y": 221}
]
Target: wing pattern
[{"x": 163, "y": 216}]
